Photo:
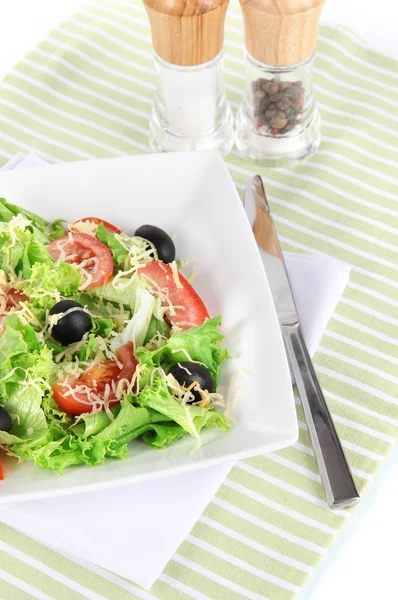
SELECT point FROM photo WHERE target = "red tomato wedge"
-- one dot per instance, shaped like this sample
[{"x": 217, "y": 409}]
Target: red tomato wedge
[
  {"x": 194, "y": 312},
  {"x": 96, "y": 378},
  {"x": 108, "y": 226},
  {"x": 14, "y": 297},
  {"x": 1, "y": 472},
  {"x": 86, "y": 251}
]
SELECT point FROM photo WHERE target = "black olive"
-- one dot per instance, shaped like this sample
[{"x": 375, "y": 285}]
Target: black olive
[
  {"x": 5, "y": 420},
  {"x": 160, "y": 239},
  {"x": 188, "y": 372},
  {"x": 72, "y": 327}
]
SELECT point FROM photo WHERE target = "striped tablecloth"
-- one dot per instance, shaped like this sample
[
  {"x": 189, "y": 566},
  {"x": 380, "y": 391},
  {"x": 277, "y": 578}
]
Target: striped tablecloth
[{"x": 85, "y": 92}]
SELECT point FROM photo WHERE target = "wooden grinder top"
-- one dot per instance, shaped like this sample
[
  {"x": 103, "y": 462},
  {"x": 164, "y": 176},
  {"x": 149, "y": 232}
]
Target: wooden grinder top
[
  {"x": 187, "y": 32},
  {"x": 281, "y": 32}
]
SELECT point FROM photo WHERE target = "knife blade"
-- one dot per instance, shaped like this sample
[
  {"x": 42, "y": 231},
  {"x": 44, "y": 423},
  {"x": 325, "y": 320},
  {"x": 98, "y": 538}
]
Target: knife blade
[{"x": 340, "y": 489}]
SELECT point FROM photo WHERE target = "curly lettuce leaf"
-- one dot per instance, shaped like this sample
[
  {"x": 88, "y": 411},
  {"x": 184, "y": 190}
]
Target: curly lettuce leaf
[
  {"x": 17, "y": 343},
  {"x": 12, "y": 248},
  {"x": 45, "y": 278},
  {"x": 159, "y": 398},
  {"x": 161, "y": 435},
  {"x": 103, "y": 326},
  {"x": 125, "y": 293},
  {"x": 198, "y": 343}
]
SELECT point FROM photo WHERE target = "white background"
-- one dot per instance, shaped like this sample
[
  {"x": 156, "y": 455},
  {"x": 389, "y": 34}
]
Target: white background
[{"x": 362, "y": 562}]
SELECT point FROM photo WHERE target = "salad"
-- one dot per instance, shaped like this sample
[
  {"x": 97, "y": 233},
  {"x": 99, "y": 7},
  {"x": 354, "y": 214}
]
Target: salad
[{"x": 102, "y": 341}]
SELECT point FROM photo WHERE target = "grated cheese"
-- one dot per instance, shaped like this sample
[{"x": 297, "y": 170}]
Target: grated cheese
[
  {"x": 88, "y": 227},
  {"x": 184, "y": 351},
  {"x": 54, "y": 319},
  {"x": 192, "y": 275},
  {"x": 174, "y": 271},
  {"x": 71, "y": 349},
  {"x": 3, "y": 279}
]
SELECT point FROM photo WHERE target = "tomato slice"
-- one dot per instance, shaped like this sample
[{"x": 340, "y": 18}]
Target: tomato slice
[
  {"x": 1, "y": 472},
  {"x": 14, "y": 297},
  {"x": 194, "y": 312},
  {"x": 96, "y": 378},
  {"x": 86, "y": 251},
  {"x": 108, "y": 226}
]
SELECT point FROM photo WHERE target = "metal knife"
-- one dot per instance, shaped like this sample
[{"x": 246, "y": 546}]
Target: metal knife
[{"x": 335, "y": 473}]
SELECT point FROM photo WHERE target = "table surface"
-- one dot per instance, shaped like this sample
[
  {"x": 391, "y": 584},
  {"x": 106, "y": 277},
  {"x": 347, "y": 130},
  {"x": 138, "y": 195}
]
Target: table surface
[{"x": 362, "y": 561}]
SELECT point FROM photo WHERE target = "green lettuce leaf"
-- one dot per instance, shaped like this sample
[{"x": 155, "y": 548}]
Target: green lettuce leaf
[
  {"x": 34, "y": 252},
  {"x": 125, "y": 295},
  {"x": 159, "y": 398},
  {"x": 157, "y": 326},
  {"x": 8, "y": 211},
  {"x": 47, "y": 277},
  {"x": 136, "y": 328},
  {"x": 24, "y": 407},
  {"x": 56, "y": 229},
  {"x": 12, "y": 250},
  {"x": 129, "y": 419},
  {"x": 18, "y": 343},
  {"x": 199, "y": 343},
  {"x": 37, "y": 226},
  {"x": 118, "y": 251},
  {"x": 161, "y": 435},
  {"x": 103, "y": 326}
]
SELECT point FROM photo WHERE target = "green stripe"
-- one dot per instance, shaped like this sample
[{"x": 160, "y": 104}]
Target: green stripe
[
  {"x": 34, "y": 577},
  {"x": 342, "y": 76},
  {"x": 85, "y": 96},
  {"x": 255, "y": 558},
  {"x": 370, "y": 301},
  {"x": 40, "y": 145},
  {"x": 228, "y": 570},
  {"x": 10, "y": 592},
  {"x": 118, "y": 78},
  {"x": 366, "y": 338},
  {"x": 258, "y": 534},
  {"x": 45, "y": 112},
  {"x": 287, "y": 523},
  {"x": 375, "y": 58},
  {"x": 264, "y": 488},
  {"x": 62, "y": 565},
  {"x": 198, "y": 581},
  {"x": 127, "y": 67},
  {"x": 325, "y": 46}
]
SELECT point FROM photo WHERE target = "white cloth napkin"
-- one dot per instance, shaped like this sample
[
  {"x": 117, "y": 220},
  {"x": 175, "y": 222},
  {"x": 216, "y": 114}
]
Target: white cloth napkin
[{"x": 134, "y": 530}]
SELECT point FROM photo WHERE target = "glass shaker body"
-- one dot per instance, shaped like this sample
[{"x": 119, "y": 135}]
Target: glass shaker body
[
  {"x": 278, "y": 121},
  {"x": 190, "y": 110}
]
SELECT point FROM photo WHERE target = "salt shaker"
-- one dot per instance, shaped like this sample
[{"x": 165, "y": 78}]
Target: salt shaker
[
  {"x": 278, "y": 121},
  {"x": 190, "y": 109}
]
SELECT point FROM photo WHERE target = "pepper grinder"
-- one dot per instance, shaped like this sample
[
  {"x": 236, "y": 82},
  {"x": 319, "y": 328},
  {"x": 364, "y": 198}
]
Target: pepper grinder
[
  {"x": 278, "y": 121},
  {"x": 190, "y": 110}
]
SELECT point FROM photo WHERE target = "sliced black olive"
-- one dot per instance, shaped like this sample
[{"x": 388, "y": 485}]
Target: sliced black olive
[
  {"x": 71, "y": 327},
  {"x": 188, "y": 372},
  {"x": 5, "y": 420},
  {"x": 160, "y": 239}
]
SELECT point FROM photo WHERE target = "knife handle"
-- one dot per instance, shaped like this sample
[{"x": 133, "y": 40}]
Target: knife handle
[{"x": 333, "y": 467}]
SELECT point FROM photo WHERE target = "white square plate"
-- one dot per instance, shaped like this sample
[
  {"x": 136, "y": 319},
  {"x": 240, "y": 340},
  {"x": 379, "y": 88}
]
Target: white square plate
[{"x": 193, "y": 196}]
